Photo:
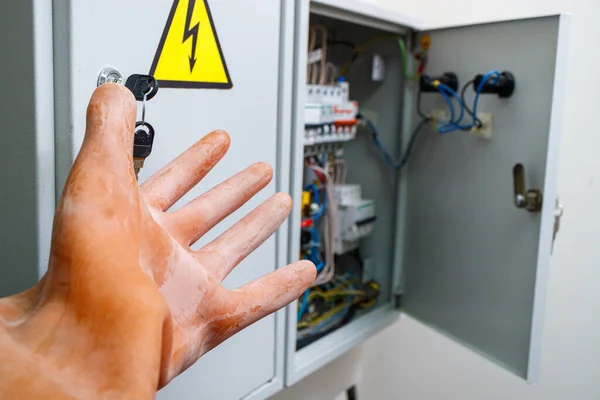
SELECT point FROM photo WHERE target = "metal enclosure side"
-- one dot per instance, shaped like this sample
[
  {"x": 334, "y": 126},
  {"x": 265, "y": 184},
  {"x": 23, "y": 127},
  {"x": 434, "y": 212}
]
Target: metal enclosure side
[
  {"x": 475, "y": 265},
  {"x": 27, "y": 150},
  {"x": 283, "y": 168},
  {"x": 252, "y": 36}
]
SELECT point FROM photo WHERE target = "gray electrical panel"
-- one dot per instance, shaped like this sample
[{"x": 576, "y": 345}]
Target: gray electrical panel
[{"x": 449, "y": 246}]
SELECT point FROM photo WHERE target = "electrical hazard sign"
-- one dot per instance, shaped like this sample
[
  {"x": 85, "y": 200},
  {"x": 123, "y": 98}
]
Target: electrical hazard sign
[{"x": 189, "y": 54}]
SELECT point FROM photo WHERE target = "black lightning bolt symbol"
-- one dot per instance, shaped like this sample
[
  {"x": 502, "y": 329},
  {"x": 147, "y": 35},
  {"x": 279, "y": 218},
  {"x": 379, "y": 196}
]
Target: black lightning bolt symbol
[{"x": 191, "y": 32}]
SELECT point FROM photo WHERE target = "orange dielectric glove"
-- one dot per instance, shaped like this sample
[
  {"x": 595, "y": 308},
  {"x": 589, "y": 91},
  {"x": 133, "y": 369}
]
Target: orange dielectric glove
[{"x": 126, "y": 305}]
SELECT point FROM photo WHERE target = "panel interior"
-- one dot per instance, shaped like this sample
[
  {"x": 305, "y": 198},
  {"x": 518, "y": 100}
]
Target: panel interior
[{"x": 381, "y": 102}]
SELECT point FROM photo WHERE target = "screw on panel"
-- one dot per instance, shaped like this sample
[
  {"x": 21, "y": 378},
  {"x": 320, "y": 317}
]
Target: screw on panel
[{"x": 110, "y": 75}]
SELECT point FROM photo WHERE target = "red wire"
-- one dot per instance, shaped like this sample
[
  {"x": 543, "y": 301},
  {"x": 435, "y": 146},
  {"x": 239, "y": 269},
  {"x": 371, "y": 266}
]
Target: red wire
[
  {"x": 321, "y": 177},
  {"x": 307, "y": 223}
]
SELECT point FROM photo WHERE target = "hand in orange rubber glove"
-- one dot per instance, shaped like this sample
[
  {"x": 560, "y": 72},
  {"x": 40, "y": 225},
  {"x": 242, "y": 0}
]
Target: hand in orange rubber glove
[{"x": 126, "y": 305}]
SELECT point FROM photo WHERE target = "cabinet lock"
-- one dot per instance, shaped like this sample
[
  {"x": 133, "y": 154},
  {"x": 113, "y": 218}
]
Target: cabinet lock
[{"x": 531, "y": 200}]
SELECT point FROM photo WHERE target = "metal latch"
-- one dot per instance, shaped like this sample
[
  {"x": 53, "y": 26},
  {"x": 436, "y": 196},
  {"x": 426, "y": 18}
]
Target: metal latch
[{"x": 531, "y": 200}]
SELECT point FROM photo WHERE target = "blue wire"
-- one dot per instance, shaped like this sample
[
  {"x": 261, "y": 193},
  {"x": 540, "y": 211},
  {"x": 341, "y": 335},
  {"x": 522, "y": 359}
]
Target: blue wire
[
  {"x": 314, "y": 250},
  {"x": 485, "y": 78},
  {"x": 455, "y": 124},
  {"x": 315, "y": 191},
  {"x": 321, "y": 210},
  {"x": 320, "y": 266},
  {"x": 444, "y": 91},
  {"x": 304, "y": 300},
  {"x": 303, "y": 305},
  {"x": 387, "y": 158}
]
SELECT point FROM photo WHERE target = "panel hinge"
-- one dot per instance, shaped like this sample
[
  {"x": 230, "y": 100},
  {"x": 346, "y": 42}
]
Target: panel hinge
[
  {"x": 558, "y": 213},
  {"x": 414, "y": 40}
]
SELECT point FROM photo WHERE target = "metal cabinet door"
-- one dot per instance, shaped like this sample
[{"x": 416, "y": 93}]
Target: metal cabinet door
[
  {"x": 126, "y": 35},
  {"x": 476, "y": 266}
]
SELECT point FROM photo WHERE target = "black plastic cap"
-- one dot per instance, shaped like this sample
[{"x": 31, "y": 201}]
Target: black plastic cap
[
  {"x": 503, "y": 86},
  {"x": 448, "y": 78}
]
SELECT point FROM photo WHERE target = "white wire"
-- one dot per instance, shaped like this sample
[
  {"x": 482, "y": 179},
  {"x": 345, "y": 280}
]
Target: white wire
[
  {"x": 341, "y": 172},
  {"x": 323, "y": 67},
  {"x": 312, "y": 42}
]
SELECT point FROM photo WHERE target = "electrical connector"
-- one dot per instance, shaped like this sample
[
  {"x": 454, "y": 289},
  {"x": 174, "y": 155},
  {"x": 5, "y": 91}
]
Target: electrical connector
[
  {"x": 503, "y": 85},
  {"x": 428, "y": 84}
]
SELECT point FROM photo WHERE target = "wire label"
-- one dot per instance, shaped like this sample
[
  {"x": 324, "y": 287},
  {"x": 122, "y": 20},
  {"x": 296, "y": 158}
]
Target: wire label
[{"x": 189, "y": 54}]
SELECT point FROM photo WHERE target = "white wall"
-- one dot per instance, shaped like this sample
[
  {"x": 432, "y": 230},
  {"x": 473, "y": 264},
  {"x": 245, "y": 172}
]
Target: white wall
[{"x": 409, "y": 360}]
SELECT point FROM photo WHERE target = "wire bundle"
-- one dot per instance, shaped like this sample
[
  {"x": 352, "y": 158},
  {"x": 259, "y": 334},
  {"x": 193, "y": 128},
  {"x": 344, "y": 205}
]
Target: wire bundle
[
  {"x": 333, "y": 303},
  {"x": 387, "y": 158},
  {"x": 318, "y": 74},
  {"x": 359, "y": 50},
  {"x": 404, "y": 55},
  {"x": 455, "y": 123},
  {"x": 328, "y": 209}
]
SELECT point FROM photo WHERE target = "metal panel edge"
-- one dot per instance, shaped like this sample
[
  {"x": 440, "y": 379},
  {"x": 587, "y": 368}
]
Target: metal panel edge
[
  {"x": 407, "y": 127},
  {"x": 267, "y": 390},
  {"x": 44, "y": 127},
  {"x": 435, "y": 27},
  {"x": 301, "y": 9},
  {"x": 550, "y": 193},
  {"x": 63, "y": 94},
  {"x": 283, "y": 175},
  {"x": 20, "y": 148},
  {"x": 327, "y": 349},
  {"x": 362, "y": 13}
]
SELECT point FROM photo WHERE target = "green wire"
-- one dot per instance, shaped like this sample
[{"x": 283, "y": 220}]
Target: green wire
[{"x": 405, "y": 61}]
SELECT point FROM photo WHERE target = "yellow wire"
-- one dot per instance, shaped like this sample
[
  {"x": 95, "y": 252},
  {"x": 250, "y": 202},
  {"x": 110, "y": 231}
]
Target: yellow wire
[
  {"x": 331, "y": 294},
  {"x": 323, "y": 317},
  {"x": 340, "y": 290}
]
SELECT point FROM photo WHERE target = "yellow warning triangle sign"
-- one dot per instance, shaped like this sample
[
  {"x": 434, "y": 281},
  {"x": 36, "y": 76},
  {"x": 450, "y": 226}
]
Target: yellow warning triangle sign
[{"x": 189, "y": 54}]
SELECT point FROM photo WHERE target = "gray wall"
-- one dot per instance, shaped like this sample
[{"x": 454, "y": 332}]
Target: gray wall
[{"x": 18, "y": 225}]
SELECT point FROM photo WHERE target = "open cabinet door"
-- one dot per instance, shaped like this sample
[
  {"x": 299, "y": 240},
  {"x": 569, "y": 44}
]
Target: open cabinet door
[{"x": 476, "y": 266}]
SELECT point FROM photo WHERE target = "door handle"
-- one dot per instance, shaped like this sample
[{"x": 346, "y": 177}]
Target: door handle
[{"x": 529, "y": 199}]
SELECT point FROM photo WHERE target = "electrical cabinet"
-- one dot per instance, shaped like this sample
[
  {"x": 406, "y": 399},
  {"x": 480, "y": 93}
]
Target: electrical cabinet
[
  {"x": 53, "y": 53},
  {"x": 449, "y": 246}
]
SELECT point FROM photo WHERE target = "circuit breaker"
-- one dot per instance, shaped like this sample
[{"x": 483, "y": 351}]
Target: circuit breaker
[{"x": 356, "y": 218}]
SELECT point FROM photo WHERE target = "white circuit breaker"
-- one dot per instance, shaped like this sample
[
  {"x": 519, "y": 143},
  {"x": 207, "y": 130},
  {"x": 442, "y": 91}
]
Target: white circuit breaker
[
  {"x": 355, "y": 217},
  {"x": 329, "y": 114}
]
